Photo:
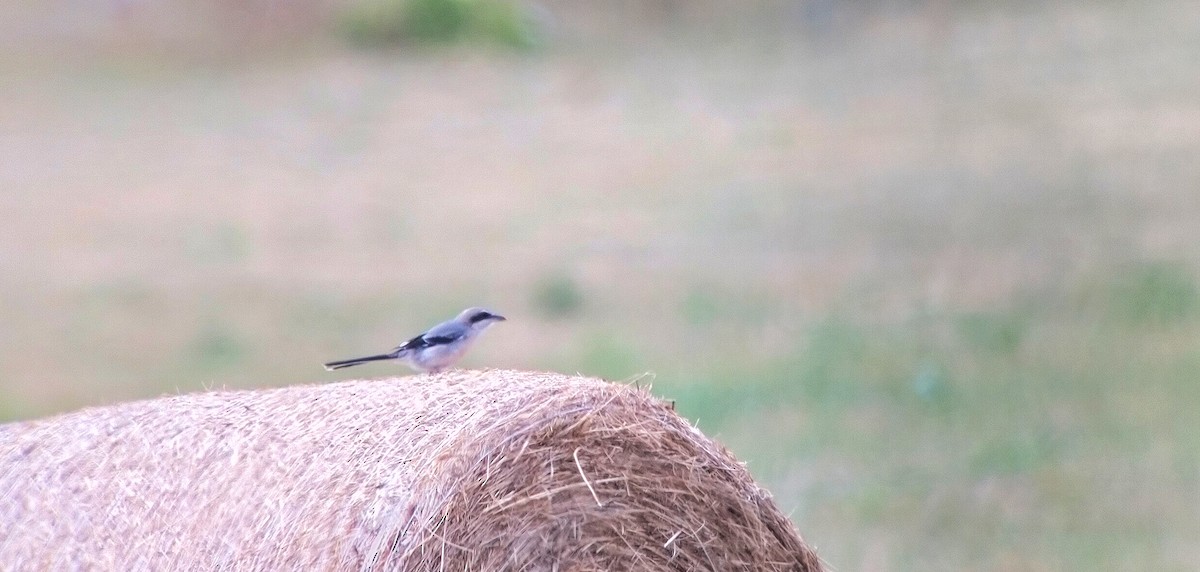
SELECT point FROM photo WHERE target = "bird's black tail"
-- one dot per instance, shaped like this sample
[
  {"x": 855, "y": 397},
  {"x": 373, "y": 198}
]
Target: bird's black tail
[{"x": 356, "y": 361}]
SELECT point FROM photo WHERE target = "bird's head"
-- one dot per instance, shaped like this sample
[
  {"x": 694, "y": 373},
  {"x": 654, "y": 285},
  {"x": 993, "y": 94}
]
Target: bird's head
[{"x": 479, "y": 318}]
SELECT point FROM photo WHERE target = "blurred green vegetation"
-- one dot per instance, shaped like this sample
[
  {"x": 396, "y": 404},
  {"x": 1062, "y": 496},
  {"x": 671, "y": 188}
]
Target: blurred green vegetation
[
  {"x": 217, "y": 348},
  {"x": 557, "y": 296},
  {"x": 1156, "y": 293},
  {"x": 1019, "y": 412},
  {"x": 384, "y": 23},
  {"x": 932, "y": 269}
]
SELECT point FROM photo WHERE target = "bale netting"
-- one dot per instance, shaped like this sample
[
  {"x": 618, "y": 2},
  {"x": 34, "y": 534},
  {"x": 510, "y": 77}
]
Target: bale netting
[{"x": 466, "y": 470}]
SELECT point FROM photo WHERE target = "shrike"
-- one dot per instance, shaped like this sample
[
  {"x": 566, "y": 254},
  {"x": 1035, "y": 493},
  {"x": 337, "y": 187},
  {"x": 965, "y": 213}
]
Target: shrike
[{"x": 439, "y": 347}]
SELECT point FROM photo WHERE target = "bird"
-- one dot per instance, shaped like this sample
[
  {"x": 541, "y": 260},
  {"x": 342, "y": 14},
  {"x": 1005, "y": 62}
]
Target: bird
[{"x": 439, "y": 347}]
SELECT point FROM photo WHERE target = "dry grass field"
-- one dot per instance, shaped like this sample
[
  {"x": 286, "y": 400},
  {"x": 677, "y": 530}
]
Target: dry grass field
[{"x": 931, "y": 270}]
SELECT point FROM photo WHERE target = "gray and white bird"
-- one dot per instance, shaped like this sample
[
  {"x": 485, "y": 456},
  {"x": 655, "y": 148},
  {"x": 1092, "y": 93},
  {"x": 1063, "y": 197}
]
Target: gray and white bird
[{"x": 439, "y": 347}]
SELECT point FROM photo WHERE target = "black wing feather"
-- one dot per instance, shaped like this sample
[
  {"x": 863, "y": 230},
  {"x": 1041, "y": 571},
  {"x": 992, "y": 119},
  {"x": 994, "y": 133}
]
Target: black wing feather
[
  {"x": 439, "y": 340},
  {"x": 425, "y": 341}
]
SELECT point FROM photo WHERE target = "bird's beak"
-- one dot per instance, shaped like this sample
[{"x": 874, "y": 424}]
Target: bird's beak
[{"x": 498, "y": 317}]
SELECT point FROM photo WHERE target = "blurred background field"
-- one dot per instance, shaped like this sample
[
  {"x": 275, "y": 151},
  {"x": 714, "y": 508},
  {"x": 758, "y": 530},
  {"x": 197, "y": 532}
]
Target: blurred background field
[{"x": 931, "y": 268}]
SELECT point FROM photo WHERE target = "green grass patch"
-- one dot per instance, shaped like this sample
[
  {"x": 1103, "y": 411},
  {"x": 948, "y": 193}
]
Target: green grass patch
[
  {"x": 1013, "y": 454},
  {"x": 557, "y": 296},
  {"x": 217, "y": 347},
  {"x": 1155, "y": 293},
  {"x": 996, "y": 332},
  {"x": 384, "y": 23},
  {"x": 966, "y": 440},
  {"x": 608, "y": 357}
]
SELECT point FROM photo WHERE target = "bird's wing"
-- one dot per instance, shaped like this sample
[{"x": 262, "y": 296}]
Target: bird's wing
[{"x": 438, "y": 335}]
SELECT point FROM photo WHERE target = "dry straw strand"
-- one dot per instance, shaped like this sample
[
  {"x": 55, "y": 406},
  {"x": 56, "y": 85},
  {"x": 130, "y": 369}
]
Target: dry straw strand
[{"x": 456, "y": 471}]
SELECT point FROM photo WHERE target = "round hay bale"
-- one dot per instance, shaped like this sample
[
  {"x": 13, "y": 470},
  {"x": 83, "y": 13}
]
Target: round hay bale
[{"x": 467, "y": 470}]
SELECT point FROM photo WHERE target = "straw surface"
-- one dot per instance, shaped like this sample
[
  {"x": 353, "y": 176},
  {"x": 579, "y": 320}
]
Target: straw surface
[{"x": 467, "y": 470}]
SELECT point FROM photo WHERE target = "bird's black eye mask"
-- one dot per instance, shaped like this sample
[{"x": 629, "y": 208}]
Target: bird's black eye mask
[{"x": 480, "y": 317}]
